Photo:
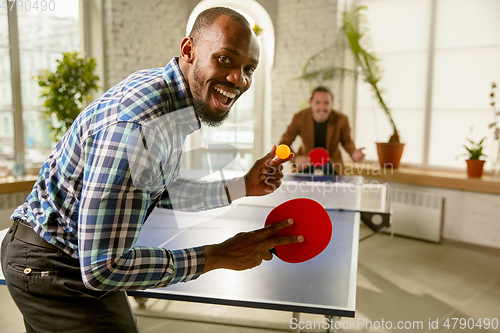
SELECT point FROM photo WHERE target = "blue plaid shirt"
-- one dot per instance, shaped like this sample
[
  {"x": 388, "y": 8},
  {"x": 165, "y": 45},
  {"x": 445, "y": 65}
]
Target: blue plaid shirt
[{"x": 121, "y": 153}]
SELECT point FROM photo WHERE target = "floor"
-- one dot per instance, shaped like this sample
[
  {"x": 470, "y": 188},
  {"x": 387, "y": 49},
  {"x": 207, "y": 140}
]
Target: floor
[{"x": 418, "y": 285}]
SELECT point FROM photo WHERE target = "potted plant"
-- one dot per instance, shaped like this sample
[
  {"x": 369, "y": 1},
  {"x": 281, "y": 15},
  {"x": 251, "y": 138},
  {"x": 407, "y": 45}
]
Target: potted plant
[
  {"x": 355, "y": 30},
  {"x": 474, "y": 153},
  {"x": 66, "y": 91}
]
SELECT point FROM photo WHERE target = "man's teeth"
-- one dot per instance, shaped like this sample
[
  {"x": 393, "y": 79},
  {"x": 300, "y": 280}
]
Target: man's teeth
[{"x": 225, "y": 93}]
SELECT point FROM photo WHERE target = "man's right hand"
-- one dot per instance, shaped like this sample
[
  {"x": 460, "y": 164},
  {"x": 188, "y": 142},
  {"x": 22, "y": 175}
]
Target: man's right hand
[
  {"x": 247, "y": 249},
  {"x": 302, "y": 162}
]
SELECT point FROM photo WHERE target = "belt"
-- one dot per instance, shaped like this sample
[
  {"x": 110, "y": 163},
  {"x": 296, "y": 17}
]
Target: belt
[{"x": 26, "y": 234}]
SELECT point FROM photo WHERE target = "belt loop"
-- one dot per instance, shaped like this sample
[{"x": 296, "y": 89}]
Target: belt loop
[{"x": 13, "y": 228}]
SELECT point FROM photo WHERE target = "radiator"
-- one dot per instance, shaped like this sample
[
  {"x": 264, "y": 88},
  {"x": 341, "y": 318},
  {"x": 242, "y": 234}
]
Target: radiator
[
  {"x": 417, "y": 214},
  {"x": 8, "y": 203}
]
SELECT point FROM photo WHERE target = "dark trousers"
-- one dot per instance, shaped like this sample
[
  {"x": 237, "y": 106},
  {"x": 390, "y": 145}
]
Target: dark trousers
[{"x": 47, "y": 287}]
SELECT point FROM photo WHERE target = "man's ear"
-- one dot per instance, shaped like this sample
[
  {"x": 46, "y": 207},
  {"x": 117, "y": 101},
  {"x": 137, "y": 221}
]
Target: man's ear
[{"x": 187, "y": 49}]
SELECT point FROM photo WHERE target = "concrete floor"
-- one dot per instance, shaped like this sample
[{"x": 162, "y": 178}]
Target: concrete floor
[{"x": 404, "y": 281}]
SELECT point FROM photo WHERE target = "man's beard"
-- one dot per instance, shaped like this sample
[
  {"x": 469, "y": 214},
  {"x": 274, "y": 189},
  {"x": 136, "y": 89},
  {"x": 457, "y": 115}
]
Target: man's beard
[
  {"x": 201, "y": 107},
  {"x": 207, "y": 117}
]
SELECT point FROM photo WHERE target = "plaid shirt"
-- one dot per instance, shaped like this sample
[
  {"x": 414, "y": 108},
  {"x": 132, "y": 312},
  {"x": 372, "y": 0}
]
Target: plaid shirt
[{"x": 120, "y": 154}]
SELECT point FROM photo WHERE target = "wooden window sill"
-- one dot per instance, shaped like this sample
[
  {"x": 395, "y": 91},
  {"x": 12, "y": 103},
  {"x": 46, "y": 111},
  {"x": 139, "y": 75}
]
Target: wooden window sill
[
  {"x": 408, "y": 175},
  {"x": 426, "y": 177},
  {"x": 11, "y": 185}
]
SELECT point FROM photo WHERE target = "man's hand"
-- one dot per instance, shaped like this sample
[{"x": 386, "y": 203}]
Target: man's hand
[
  {"x": 302, "y": 162},
  {"x": 358, "y": 155},
  {"x": 265, "y": 175},
  {"x": 247, "y": 249}
]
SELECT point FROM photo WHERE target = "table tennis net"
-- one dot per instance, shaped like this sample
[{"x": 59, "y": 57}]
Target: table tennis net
[{"x": 331, "y": 195}]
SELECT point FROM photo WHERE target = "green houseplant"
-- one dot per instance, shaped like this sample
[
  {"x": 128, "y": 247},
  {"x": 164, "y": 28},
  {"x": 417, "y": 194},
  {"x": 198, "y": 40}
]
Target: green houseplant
[
  {"x": 354, "y": 37},
  {"x": 474, "y": 163},
  {"x": 66, "y": 91}
]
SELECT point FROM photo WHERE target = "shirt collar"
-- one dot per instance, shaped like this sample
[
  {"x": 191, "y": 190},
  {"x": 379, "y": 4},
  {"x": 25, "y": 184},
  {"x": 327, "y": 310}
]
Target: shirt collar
[{"x": 180, "y": 95}]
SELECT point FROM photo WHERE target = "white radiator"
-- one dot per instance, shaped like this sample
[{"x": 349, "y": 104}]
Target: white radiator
[
  {"x": 8, "y": 203},
  {"x": 416, "y": 214}
]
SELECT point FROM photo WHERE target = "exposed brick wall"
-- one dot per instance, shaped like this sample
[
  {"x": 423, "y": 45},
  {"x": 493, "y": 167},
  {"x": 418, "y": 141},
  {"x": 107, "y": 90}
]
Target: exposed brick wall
[
  {"x": 142, "y": 34},
  {"x": 468, "y": 217},
  {"x": 302, "y": 29},
  {"x": 271, "y": 7},
  {"x": 471, "y": 217}
]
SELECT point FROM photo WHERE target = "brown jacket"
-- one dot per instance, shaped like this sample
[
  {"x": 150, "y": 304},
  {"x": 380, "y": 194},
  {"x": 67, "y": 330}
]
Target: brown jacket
[{"x": 337, "y": 131}]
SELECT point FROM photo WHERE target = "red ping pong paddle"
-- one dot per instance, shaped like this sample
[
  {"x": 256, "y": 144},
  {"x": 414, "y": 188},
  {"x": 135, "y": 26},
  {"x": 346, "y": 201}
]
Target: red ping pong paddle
[
  {"x": 310, "y": 220},
  {"x": 319, "y": 156}
]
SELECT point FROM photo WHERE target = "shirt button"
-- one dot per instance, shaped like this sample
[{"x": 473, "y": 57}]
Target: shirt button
[{"x": 27, "y": 270}]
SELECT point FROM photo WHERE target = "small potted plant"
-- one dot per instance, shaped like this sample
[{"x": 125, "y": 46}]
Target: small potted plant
[{"x": 474, "y": 153}]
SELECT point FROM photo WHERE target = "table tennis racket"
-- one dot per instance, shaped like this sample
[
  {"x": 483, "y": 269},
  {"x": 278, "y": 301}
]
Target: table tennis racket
[
  {"x": 310, "y": 220},
  {"x": 319, "y": 156}
]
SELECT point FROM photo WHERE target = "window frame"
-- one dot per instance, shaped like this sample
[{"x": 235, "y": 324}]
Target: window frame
[{"x": 15, "y": 65}]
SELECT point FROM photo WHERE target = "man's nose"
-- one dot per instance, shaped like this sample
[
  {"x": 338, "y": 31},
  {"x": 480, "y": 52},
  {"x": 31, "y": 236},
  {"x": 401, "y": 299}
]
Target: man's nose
[{"x": 239, "y": 79}]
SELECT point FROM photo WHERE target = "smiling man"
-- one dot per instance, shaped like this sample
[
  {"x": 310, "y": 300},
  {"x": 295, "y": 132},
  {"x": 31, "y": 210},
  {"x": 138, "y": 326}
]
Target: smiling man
[
  {"x": 321, "y": 126},
  {"x": 70, "y": 254},
  {"x": 218, "y": 60}
]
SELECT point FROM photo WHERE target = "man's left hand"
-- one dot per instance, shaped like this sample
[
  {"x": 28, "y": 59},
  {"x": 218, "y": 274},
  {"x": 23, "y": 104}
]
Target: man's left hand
[
  {"x": 265, "y": 175},
  {"x": 358, "y": 155}
]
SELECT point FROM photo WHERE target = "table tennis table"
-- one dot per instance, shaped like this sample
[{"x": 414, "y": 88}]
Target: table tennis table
[{"x": 324, "y": 285}]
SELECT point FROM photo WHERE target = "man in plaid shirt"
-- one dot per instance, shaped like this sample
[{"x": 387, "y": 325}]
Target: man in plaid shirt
[{"x": 71, "y": 253}]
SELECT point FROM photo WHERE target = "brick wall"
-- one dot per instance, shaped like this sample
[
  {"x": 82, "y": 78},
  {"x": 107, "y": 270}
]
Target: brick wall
[
  {"x": 468, "y": 217},
  {"x": 471, "y": 217},
  {"x": 302, "y": 28},
  {"x": 142, "y": 34}
]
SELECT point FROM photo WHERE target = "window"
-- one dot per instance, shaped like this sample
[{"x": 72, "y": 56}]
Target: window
[
  {"x": 41, "y": 38},
  {"x": 6, "y": 107},
  {"x": 437, "y": 80},
  {"x": 466, "y": 61}
]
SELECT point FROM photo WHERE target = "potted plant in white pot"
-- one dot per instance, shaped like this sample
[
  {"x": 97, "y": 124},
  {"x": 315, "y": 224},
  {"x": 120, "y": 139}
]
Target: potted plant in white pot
[{"x": 355, "y": 31}]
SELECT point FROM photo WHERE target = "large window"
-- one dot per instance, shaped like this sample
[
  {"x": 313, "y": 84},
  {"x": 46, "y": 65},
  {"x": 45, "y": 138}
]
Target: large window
[
  {"x": 41, "y": 36},
  {"x": 440, "y": 58},
  {"x": 6, "y": 108}
]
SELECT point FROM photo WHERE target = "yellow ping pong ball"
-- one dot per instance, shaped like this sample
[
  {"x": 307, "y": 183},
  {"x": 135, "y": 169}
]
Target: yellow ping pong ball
[{"x": 283, "y": 152}]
